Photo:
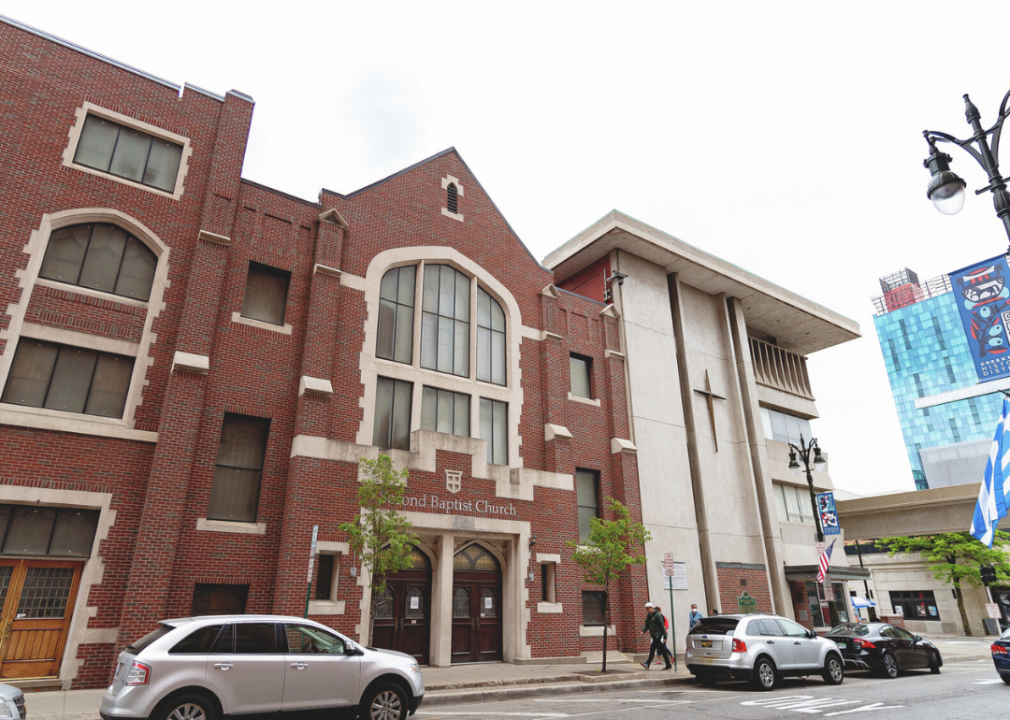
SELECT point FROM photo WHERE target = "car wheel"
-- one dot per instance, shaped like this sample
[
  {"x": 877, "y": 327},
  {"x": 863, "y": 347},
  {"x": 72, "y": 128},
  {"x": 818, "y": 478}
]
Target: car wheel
[
  {"x": 764, "y": 676},
  {"x": 186, "y": 707},
  {"x": 934, "y": 663},
  {"x": 833, "y": 673},
  {"x": 708, "y": 680},
  {"x": 1005, "y": 678},
  {"x": 384, "y": 702},
  {"x": 889, "y": 666}
]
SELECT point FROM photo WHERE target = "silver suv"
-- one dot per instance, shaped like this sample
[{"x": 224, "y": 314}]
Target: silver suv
[
  {"x": 203, "y": 668},
  {"x": 761, "y": 648}
]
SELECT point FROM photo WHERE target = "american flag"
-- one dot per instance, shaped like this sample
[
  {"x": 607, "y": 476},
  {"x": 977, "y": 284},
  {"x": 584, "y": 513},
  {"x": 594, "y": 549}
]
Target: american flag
[{"x": 822, "y": 564}]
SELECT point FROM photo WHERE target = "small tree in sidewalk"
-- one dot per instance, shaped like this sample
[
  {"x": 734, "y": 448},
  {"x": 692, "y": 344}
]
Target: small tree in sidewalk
[
  {"x": 607, "y": 552},
  {"x": 381, "y": 536},
  {"x": 955, "y": 559}
]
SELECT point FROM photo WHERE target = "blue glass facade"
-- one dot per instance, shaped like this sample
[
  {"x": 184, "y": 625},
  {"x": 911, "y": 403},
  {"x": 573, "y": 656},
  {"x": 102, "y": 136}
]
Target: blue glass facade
[{"x": 925, "y": 353}]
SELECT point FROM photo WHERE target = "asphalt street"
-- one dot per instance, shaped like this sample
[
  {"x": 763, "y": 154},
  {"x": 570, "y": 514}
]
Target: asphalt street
[{"x": 962, "y": 690}]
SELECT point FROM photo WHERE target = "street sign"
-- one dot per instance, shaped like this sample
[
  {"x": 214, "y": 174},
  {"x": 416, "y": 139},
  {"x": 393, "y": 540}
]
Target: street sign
[{"x": 993, "y": 610}]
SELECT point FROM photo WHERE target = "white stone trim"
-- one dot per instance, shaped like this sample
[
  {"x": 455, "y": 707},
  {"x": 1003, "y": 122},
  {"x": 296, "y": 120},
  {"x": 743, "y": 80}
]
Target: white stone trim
[
  {"x": 549, "y": 558},
  {"x": 619, "y": 445},
  {"x": 595, "y": 402},
  {"x": 92, "y": 574},
  {"x": 29, "y": 278},
  {"x": 77, "y": 423},
  {"x": 532, "y": 333},
  {"x": 327, "y": 607},
  {"x": 552, "y": 431},
  {"x": 614, "y": 354},
  {"x": 228, "y": 526},
  {"x": 238, "y": 319},
  {"x": 208, "y": 236},
  {"x": 330, "y": 547},
  {"x": 355, "y": 282},
  {"x": 513, "y": 483},
  {"x": 550, "y": 291},
  {"x": 74, "y": 135},
  {"x": 371, "y": 367},
  {"x": 326, "y": 270},
  {"x": 552, "y": 336},
  {"x": 314, "y": 386},
  {"x": 546, "y": 608},
  {"x": 459, "y": 193},
  {"x": 332, "y": 216},
  {"x": 89, "y": 292},
  {"x": 594, "y": 630},
  {"x": 62, "y": 336},
  {"x": 191, "y": 362}
]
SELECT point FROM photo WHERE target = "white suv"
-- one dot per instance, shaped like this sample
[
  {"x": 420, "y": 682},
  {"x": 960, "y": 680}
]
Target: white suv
[
  {"x": 761, "y": 648},
  {"x": 206, "y": 667}
]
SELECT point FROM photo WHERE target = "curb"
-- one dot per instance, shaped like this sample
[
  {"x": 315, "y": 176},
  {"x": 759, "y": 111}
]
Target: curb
[{"x": 571, "y": 688}]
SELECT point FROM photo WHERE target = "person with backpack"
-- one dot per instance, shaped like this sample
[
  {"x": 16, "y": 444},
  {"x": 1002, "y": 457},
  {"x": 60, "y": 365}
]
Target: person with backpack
[{"x": 655, "y": 625}]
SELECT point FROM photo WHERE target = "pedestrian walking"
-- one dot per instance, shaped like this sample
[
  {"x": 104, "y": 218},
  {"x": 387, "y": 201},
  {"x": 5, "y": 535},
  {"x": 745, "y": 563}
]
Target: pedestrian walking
[
  {"x": 694, "y": 617},
  {"x": 666, "y": 627},
  {"x": 655, "y": 625}
]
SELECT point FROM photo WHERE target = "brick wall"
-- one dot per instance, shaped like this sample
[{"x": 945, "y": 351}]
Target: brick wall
[{"x": 735, "y": 579}]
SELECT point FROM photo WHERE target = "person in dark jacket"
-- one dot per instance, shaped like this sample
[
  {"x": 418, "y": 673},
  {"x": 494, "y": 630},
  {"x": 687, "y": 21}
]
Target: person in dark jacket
[{"x": 655, "y": 625}]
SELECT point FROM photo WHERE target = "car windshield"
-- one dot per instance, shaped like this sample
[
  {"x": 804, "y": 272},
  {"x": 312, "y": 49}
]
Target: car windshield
[
  {"x": 856, "y": 630},
  {"x": 715, "y": 626},
  {"x": 139, "y": 645},
  {"x": 1005, "y": 635}
]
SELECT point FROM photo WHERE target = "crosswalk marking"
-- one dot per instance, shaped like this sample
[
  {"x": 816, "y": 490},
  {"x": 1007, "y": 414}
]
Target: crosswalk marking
[{"x": 988, "y": 682}]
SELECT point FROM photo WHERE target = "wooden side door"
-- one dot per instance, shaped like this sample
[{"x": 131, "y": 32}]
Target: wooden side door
[
  {"x": 488, "y": 619},
  {"x": 37, "y": 609},
  {"x": 415, "y": 624},
  {"x": 463, "y": 649}
]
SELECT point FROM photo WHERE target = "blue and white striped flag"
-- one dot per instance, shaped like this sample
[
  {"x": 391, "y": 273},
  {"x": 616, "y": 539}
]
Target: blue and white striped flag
[{"x": 991, "y": 505}]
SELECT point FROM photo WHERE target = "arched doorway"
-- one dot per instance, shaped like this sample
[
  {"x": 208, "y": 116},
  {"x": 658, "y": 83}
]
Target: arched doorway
[
  {"x": 476, "y": 606},
  {"x": 403, "y": 611}
]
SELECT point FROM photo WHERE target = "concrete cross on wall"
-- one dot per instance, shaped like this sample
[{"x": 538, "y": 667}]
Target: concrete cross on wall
[{"x": 709, "y": 397}]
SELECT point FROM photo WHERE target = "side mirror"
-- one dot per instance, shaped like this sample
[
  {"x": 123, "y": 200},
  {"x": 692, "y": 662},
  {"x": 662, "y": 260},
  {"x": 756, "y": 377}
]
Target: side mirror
[
  {"x": 353, "y": 649},
  {"x": 811, "y": 634},
  {"x": 918, "y": 638}
]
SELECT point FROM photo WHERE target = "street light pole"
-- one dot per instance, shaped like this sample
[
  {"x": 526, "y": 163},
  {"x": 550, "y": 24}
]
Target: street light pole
[
  {"x": 803, "y": 453},
  {"x": 946, "y": 189}
]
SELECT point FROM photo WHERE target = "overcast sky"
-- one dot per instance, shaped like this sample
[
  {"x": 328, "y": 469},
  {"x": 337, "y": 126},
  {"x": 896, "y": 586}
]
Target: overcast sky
[{"x": 782, "y": 137}]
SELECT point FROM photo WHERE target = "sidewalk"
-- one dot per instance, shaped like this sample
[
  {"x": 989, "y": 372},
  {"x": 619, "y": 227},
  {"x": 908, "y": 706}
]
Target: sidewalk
[{"x": 460, "y": 684}]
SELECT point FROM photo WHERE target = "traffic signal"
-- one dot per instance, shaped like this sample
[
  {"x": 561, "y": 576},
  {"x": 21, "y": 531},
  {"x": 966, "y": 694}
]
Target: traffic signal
[{"x": 988, "y": 574}]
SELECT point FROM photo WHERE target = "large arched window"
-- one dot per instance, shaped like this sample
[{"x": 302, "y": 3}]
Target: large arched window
[
  {"x": 440, "y": 391},
  {"x": 101, "y": 257},
  {"x": 445, "y": 321}
]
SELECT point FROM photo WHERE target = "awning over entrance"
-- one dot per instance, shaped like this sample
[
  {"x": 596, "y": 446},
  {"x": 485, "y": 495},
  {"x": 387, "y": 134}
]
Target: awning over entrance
[{"x": 805, "y": 572}]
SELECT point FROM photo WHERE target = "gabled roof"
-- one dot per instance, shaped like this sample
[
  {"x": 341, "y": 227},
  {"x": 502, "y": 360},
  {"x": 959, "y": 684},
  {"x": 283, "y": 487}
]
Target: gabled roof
[{"x": 797, "y": 324}]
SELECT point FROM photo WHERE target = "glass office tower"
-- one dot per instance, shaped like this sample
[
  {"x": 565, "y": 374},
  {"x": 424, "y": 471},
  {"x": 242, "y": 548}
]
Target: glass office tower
[{"x": 926, "y": 354}]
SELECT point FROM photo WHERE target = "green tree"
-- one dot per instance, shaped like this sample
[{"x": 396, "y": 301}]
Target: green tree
[
  {"x": 381, "y": 536},
  {"x": 954, "y": 559},
  {"x": 610, "y": 548}
]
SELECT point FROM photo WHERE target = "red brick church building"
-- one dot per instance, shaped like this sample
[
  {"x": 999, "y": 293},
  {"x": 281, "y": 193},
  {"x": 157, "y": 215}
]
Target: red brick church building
[{"x": 192, "y": 365}]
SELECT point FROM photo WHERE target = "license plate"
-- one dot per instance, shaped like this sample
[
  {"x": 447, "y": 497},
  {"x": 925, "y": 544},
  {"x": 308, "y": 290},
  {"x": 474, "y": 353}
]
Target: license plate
[
  {"x": 706, "y": 643},
  {"x": 706, "y": 661},
  {"x": 842, "y": 645}
]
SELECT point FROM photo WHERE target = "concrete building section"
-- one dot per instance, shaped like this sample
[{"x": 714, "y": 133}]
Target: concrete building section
[
  {"x": 711, "y": 349},
  {"x": 904, "y": 583}
]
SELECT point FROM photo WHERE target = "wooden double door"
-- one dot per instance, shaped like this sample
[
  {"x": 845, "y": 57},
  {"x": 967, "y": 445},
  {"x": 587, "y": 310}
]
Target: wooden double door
[
  {"x": 476, "y": 607},
  {"x": 403, "y": 611},
  {"x": 37, "y": 600}
]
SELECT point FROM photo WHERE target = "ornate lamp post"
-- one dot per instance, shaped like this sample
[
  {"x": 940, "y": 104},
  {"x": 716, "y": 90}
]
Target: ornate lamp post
[
  {"x": 803, "y": 453},
  {"x": 946, "y": 189}
]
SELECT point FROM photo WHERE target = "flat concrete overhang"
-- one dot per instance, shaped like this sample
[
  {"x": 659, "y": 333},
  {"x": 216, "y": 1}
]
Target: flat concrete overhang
[
  {"x": 797, "y": 324},
  {"x": 836, "y": 572},
  {"x": 919, "y": 512}
]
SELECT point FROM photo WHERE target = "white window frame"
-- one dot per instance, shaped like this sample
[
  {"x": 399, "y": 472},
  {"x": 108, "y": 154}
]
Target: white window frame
[
  {"x": 331, "y": 606},
  {"x": 28, "y": 279},
  {"x": 87, "y": 108},
  {"x": 372, "y": 367}
]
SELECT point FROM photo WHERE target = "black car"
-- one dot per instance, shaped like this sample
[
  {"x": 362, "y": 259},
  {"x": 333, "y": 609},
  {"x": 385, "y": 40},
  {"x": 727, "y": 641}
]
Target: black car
[{"x": 884, "y": 649}]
